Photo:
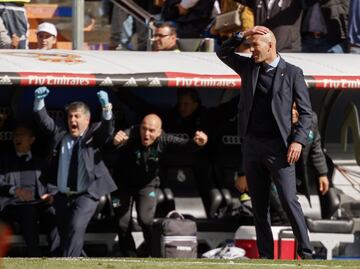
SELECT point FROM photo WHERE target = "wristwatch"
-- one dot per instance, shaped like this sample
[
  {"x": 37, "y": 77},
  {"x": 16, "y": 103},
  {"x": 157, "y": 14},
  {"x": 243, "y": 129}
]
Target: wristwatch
[{"x": 239, "y": 35}]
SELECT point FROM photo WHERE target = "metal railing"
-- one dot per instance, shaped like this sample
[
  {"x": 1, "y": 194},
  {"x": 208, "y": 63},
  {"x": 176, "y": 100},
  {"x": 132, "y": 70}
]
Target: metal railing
[{"x": 139, "y": 14}]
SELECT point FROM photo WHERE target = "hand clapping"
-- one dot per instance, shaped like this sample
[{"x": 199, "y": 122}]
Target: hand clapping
[{"x": 200, "y": 138}]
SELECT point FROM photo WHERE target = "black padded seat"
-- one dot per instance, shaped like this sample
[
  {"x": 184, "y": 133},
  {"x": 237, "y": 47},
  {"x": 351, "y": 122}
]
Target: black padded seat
[
  {"x": 187, "y": 176},
  {"x": 330, "y": 226},
  {"x": 352, "y": 208},
  {"x": 226, "y": 224}
]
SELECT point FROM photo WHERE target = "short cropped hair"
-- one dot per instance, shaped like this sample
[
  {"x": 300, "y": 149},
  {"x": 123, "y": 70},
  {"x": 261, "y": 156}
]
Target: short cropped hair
[
  {"x": 192, "y": 93},
  {"x": 25, "y": 125},
  {"x": 74, "y": 106},
  {"x": 167, "y": 24}
]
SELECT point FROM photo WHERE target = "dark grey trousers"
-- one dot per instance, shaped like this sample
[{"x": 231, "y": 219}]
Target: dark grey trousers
[{"x": 265, "y": 161}]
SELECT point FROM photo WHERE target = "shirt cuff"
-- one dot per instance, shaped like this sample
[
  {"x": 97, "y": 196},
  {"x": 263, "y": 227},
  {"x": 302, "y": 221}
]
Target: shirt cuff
[
  {"x": 12, "y": 190},
  {"x": 39, "y": 104},
  {"x": 188, "y": 3},
  {"x": 239, "y": 35},
  {"x": 107, "y": 114}
]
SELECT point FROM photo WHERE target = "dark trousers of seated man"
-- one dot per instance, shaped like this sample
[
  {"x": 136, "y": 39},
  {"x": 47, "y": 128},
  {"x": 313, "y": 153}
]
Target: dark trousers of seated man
[
  {"x": 145, "y": 202},
  {"x": 31, "y": 218},
  {"x": 73, "y": 215}
]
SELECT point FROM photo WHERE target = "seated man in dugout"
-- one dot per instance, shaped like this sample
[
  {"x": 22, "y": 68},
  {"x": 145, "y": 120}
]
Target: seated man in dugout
[{"x": 25, "y": 197}]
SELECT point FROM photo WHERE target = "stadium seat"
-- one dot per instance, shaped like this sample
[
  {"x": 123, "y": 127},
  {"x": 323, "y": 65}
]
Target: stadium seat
[
  {"x": 187, "y": 176},
  {"x": 331, "y": 230},
  {"x": 226, "y": 158},
  {"x": 196, "y": 44}
]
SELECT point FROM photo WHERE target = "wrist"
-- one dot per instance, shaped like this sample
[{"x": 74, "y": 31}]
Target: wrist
[
  {"x": 239, "y": 35},
  {"x": 107, "y": 107},
  {"x": 12, "y": 190}
]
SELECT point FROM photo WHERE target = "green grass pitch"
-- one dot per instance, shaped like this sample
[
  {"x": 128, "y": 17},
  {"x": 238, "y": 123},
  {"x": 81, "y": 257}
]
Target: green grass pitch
[{"x": 148, "y": 263}]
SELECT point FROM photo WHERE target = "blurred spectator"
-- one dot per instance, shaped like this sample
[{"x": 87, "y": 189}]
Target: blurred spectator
[
  {"x": 191, "y": 16},
  {"x": 282, "y": 17},
  {"x": 123, "y": 27},
  {"x": 5, "y": 40},
  {"x": 246, "y": 16},
  {"x": 13, "y": 14},
  {"x": 46, "y": 36},
  {"x": 92, "y": 13},
  {"x": 246, "y": 19},
  {"x": 141, "y": 29},
  {"x": 164, "y": 37},
  {"x": 25, "y": 197},
  {"x": 324, "y": 27},
  {"x": 354, "y": 26}
]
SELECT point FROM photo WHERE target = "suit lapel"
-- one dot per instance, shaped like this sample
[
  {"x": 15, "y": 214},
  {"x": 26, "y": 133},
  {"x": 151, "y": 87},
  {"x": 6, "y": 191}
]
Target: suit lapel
[
  {"x": 279, "y": 76},
  {"x": 254, "y": 78},
  {"x": 16, "y": 173}
]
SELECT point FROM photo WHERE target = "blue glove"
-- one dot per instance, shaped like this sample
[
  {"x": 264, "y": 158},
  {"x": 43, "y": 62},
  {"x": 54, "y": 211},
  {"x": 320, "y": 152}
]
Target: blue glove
[
  {"x": 103, "y": 98},
  {"x": 41, "y": 92}
]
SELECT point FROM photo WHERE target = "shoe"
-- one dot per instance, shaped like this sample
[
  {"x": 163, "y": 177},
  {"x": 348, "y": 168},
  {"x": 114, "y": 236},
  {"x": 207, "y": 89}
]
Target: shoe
[{"x": 307, "y": 256}]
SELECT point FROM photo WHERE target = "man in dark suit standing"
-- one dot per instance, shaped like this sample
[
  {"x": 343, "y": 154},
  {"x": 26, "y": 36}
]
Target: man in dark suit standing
[
  {"x": 76, "y": 166},
  {"x": 270, "y": 145},
  {"x": 24, "y": 196}
]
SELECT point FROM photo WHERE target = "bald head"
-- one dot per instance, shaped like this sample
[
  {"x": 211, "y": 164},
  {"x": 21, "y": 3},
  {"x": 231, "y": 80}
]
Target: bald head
[
  {"x": 153, "y": 119},
  {"x": 150, "y": 129},
  {"x": 268, "y": 37}
]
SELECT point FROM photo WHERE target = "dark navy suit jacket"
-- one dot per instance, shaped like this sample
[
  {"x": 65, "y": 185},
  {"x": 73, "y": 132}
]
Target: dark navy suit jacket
[
  {"x": 288, "y": 87},
  {"x": 10, "y": 177},
  {"x": 100, "y": 180}
]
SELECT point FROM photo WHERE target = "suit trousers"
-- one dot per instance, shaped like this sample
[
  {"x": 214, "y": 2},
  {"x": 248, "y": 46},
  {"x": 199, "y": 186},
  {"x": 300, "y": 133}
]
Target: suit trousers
[
  {"x": 73, "y": 215},
  {"x": 145, "y": 202},
  {"x": 28, "y": 217},
  {"x": 265, "y": 160}
]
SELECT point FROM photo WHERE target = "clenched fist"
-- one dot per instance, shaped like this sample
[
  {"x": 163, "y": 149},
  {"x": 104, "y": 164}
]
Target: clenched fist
[
  {"x": 41, "y": 92},
  {"x": 120, "y": 138}
]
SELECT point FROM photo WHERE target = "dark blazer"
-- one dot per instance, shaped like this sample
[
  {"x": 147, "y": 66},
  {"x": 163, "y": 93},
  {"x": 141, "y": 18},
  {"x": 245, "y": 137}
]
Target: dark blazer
[
  {"x": 288, "y": 87},
  {"x": 10, "y": 177},
  {"x": 100, "y": 180},
  {"x": 312, "y": 162}
]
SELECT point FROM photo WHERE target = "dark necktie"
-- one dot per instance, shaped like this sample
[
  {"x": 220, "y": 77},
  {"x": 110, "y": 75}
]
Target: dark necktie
[
  {"x": 265, "y": 68},
  {"x": 23, "y": 158},
  {"x": 73, "y": 167}
]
